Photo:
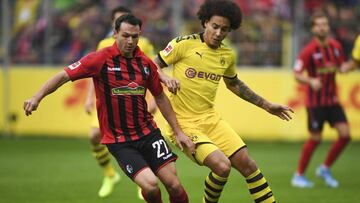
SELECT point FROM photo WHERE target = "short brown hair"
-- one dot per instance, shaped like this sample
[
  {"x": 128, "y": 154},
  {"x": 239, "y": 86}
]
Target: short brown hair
[{"x": 316, "y": 15}]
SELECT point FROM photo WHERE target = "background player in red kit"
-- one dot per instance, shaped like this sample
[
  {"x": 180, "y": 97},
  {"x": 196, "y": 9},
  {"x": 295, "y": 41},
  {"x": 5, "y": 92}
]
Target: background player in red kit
[
  {"x": 122, "y": 74},
  {"x": 321, "y": 59}
]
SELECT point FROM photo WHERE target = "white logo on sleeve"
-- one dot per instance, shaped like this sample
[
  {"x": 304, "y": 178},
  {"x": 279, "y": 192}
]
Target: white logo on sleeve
[
  {"x": 298, "y": 65},
  {"x": 168, "y": 49},
  {"x": 146, "y": 70},
  {"x": 74, "y": 65}
]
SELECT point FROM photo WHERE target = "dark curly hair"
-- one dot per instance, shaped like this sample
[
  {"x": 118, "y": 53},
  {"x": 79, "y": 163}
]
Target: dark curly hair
[{"x": 224, "y": 8}]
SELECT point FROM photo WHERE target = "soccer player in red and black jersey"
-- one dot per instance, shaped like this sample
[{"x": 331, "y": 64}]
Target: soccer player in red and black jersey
[
  {"x": 122, "y": 74},
  {"x": 321, "y": 59}
]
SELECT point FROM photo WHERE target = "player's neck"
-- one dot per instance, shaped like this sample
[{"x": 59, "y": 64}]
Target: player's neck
[{"x": 322, "y": 41}]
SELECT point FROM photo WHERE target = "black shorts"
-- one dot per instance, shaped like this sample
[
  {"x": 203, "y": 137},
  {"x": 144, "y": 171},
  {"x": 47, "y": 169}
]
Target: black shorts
[
  {"x": 318, "y": 115},
  {"x": 150, "y": 151}
]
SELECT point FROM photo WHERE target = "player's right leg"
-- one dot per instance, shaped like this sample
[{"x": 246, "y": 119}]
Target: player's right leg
[
  {"x": 208, "y": 154},
  {"x": 102, "y": 157},
  {"x": 299, "y": 179},
  {"x": 316, "y": 117},
  {"x": 220, "y": 167}
]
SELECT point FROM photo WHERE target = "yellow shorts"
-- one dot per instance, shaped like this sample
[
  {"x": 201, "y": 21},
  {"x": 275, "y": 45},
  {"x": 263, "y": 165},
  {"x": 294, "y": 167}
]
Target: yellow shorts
[
  {"x": 208, "y": 133},
  {"x": 94, "y": 120}
]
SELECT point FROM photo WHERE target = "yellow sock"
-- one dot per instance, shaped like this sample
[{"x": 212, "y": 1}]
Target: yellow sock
[
  {"x": 259, "y": 188},
  {"x": 102, "y": 157},
  {"x": 214, "y": 185}
]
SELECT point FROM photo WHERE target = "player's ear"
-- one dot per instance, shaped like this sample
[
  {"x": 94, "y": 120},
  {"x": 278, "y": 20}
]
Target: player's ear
[{"x": 114, "y": 33}]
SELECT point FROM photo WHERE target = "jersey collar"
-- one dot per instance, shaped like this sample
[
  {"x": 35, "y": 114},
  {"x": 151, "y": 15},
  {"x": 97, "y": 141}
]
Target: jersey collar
[
  {"x": 116, "y": 50},
  {"x": 202, "y": 36}
]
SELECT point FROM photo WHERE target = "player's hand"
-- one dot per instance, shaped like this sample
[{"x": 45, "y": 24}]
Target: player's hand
[
  {"x": 30, "y": 105},
  {"x": 172, "y": 84},
  {"x": 346, "y": 67},
  {"x": 315, "y": 84},
  {"x": 281, "y": 111},
  {"x": 183, "y": 140},
  {"x": 89, "y": 105}
]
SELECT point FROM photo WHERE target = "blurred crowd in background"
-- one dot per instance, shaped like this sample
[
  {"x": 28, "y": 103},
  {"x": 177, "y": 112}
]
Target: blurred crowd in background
[{"x": 62, "y": 31}]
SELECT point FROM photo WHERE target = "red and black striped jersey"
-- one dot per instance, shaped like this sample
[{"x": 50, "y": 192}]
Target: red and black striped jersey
[
  {"x": 120, "y": 85},
  {"x": 321, "y": 62}
]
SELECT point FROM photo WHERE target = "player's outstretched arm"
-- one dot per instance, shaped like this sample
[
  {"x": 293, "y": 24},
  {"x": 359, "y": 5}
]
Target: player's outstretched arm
[
  {"x": 243, "y": 91},
  {"x": 48, "y": 87},
  {"x": 167, "y": 111},
  {"x": 172, "y": 84},
  {"x": 349, "y": 66}
]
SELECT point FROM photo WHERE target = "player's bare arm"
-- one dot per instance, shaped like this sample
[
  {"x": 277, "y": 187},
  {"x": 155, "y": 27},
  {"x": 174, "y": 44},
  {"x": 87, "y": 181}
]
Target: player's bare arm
[
  {"x": 243, "y": 91},
  {"x": 349, "y": 66},
  {"x": 314, "y": 83},
  {"x": 48, "y": 87},
  {"x": 172, "y": 84},
  {"x": 167, "y": 111},
  {"x": 90, "y": 98}
]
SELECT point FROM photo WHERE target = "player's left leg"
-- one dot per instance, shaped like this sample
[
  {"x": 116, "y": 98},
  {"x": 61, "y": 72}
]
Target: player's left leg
[
  {"x": 167, "y": 175},
  {"x": 256, "y": 182},
  {"x": 337, "y": 120},
  {"x": 338, "y": 146},
  {"x": 147, "y": 181}
]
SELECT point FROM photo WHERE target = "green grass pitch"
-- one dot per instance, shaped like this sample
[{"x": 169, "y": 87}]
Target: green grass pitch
[{"x": 58, "y": 170}]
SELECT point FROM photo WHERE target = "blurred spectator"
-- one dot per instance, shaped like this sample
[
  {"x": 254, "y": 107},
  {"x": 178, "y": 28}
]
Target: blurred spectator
[{"x": 75, "y": 27}]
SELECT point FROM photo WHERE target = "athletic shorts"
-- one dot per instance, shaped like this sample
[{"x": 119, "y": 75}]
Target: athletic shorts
[
  {"x": 94, "y": 120},
  {"x": 317, "y": 116},
  {"x": 150, "y": 151},
  {"x": 208, "y": 133}
]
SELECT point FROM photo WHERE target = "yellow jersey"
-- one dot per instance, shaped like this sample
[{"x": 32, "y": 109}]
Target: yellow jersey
[
  {"x": 143, "y": 43},
  {"x": 199, "y": 69},
  {"x": 356, "y": 50}
]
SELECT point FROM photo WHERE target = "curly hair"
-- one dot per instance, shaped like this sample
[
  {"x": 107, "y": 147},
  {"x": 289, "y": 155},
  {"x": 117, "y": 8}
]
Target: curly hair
[{"x": 224, "y": 8}]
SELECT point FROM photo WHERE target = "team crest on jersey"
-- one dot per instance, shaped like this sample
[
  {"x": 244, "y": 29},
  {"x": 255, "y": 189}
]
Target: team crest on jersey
[
  {"x": 222, "y": 60},
  {"x": 74, "y": 65},
  {"x": 129, "y": 168},
  {"x": 147, "y": 71},
  {"x": 317, "y": 56},
  {"x": 131, "y": 89},
  {"x": 168, "y": 49}
]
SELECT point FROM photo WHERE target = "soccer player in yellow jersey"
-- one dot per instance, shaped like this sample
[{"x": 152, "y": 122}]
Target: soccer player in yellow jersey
[
  {"x": 355, "y": 61},
  {"x": 199, "y": 62},
  {"x": 100, "y": 152}
]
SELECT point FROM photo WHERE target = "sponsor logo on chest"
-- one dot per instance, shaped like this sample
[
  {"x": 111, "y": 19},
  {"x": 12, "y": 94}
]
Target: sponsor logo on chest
[
  {"x": 192, "y": 73},
  {"x": 131, "y": 89}
]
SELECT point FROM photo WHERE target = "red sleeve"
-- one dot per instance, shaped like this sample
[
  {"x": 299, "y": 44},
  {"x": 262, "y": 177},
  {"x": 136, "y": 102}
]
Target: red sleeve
[
  {"x": 88, "y": 66},
  {"x": 302, "y": 62},
  {"x": 153, "y": 82}
]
